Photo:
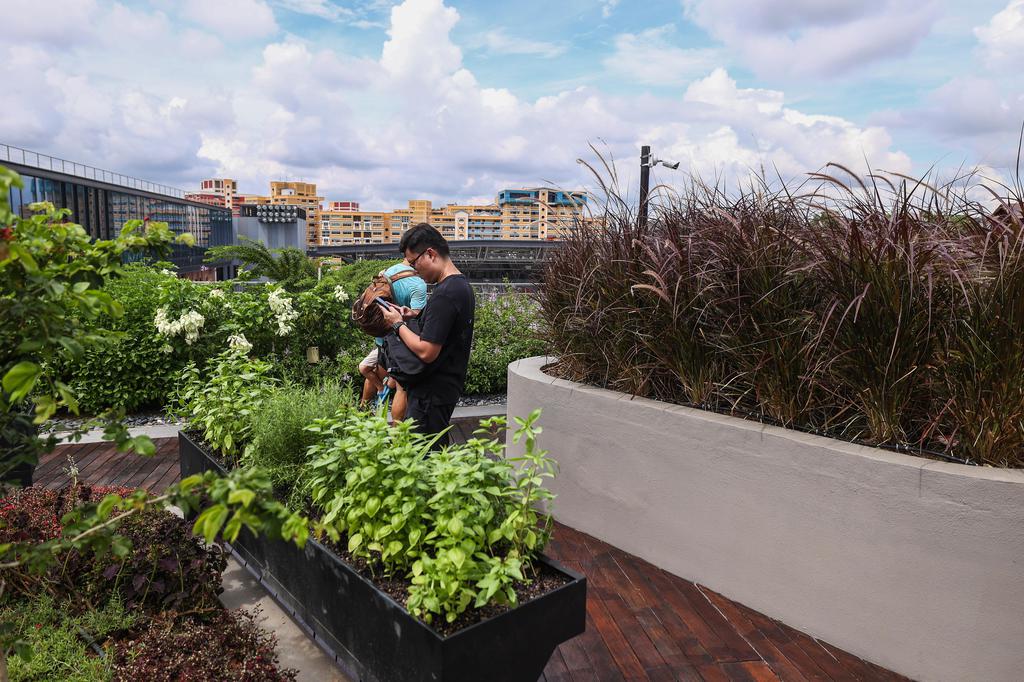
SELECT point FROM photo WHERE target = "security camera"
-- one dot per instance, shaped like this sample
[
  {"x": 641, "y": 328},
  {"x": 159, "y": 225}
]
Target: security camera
[{"x": 674, "y": 165}]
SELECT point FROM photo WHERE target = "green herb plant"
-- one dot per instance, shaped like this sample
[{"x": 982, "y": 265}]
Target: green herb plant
[
  {"x": 462, "y": 523},
  {"x": 222, "y": 401}
]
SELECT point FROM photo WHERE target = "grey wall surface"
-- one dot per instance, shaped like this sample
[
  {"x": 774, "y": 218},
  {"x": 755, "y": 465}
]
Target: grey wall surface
[
  {"x": 273, "y": 235},
  {"x": 913, "y": 564}
]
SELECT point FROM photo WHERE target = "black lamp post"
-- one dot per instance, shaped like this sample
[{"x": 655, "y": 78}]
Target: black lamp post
[
  {"x": 645, "y": 182},
  {"x": 646, "y": 163}
]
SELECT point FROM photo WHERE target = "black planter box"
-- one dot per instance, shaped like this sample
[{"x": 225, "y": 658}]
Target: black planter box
[{"x": 375, "y": 639}]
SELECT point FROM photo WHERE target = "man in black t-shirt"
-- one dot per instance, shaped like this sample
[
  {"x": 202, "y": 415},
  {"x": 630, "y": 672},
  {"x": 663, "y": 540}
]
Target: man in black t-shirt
[{"x": 446, "y": 330}]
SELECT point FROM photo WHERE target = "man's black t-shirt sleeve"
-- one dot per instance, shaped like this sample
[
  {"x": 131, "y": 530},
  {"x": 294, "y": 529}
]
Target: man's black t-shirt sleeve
[{"x": 439, "y": 319}]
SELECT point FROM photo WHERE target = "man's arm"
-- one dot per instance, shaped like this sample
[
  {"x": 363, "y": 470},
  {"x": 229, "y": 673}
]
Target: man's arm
[{"x": 427, "y": 351}]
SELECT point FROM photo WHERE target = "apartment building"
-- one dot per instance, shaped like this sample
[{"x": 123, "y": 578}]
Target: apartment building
[
  {"x": 224, "y": 192},
  {"x": 539, "y": 213},
  {"x": 215, "y": 192},
  {"x": 533, "y": 213}
]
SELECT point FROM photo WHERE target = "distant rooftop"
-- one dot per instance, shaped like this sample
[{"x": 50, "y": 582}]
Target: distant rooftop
[{"x": 32, "y": 159}]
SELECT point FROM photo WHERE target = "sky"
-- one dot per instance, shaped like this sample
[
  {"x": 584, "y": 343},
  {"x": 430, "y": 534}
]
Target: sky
[{"x": 380, "y": 102}]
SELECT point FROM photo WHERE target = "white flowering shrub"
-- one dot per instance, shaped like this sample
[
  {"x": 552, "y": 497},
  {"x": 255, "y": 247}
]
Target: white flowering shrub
[
  {"x": 239, "y": 342},
  {"x": 340, "y": 294},
  {"x": 189, "y": 324},
  {"x": 283, "y": 311}
]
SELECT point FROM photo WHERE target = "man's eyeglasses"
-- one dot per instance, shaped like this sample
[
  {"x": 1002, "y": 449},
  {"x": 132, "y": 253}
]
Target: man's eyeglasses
[{"x": 412, "y": 263}]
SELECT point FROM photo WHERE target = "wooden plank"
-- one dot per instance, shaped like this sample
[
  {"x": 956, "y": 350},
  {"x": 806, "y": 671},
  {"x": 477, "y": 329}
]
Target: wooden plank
[
  {"x": 783, "y": 641},
  {"x": 574, "y": 543},
  {"x": 93, "y": 473},
  {"x": 165, "y": 451},
  {"x": 823, "y": 658},
  {"x": 616, "y": 646},
  {"x": 601, "y": 662},
  {"x": 556, "y": 668},
  {"x": 682, "y": 635},
  {"x": 135, "y": 475},
  {"x": 680, "y": 606},
  {"x": 172, "y": 476},
  {"x": 122, "y": 468},
  {"x": 159, "y": 473},
  {"x": 638, "y": 571},
  {"x": 736, "y": 614},
  {"x": 643, "y": 648},
  {"x": 612, "y": 582},
  {"x": 574, "y": 656},
  {"x": 56, "y": 460},
  {"x": 675, "y": 658},
  {"x": 742, "y": 651},
  {"x": 737, "y": 671}
]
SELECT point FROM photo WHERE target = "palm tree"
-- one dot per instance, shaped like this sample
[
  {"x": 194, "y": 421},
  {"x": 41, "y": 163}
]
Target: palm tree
[{"x": 288, "y": 266}]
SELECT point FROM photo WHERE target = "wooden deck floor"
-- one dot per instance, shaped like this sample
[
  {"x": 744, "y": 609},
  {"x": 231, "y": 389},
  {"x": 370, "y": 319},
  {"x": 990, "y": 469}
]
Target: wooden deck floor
[{"x": 642, "y": 622}]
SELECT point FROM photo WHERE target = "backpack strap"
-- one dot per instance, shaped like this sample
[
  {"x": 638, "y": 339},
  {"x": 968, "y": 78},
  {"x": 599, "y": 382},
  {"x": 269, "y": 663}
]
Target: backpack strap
[{"x": 401, "y": 275}]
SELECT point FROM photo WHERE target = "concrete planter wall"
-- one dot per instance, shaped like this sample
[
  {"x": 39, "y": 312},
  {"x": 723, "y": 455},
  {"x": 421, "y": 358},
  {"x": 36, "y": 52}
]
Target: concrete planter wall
[{"x": 912, "y": 564}]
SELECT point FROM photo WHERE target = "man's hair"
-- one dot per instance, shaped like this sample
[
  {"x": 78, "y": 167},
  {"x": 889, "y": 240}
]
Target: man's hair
[{"x": 421, "y": 237}]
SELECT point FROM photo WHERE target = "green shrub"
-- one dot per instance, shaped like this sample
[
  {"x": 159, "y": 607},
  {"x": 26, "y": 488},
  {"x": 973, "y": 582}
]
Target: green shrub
[
  {"x": 506, "y": 329},
  {"x": 222, "y": 403},
  {"x": 279, "y": 437},
  {"x": 132, "y": 372},
  {"x": 59, "y": 652}
]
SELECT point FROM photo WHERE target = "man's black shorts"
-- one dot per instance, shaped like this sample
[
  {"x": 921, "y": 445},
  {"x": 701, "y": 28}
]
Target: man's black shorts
[{"x": 430, "y": 417}]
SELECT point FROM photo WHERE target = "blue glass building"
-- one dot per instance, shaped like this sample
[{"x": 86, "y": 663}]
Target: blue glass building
[{"x": 102, "y": 201}]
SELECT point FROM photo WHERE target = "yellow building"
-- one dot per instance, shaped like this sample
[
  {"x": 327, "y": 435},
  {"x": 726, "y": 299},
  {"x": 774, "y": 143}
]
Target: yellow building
[
  {"x": 303, "y": 195},
  {"x": 352, "y": 226},
  {"x": 533, "y": 213},
  {"x": 529, "y": 213}
]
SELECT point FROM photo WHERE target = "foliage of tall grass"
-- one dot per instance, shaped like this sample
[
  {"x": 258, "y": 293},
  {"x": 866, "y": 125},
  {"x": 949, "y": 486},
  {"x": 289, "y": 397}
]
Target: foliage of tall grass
[{"x": 885, "y": 309}]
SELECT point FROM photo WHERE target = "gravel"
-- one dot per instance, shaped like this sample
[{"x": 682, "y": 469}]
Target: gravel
[{"x": 482, "y": 399}]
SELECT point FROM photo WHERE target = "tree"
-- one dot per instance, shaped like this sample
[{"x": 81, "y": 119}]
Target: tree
[{"x": 288, "y": 266}]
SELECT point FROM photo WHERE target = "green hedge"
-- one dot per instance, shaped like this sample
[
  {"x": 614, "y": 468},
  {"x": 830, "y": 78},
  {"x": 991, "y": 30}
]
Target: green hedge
[{"x": 139, "y": 371}]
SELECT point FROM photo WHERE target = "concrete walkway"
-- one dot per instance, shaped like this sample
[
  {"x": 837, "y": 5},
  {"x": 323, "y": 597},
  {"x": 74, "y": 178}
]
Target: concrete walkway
[{"x": 295, "y": 649}]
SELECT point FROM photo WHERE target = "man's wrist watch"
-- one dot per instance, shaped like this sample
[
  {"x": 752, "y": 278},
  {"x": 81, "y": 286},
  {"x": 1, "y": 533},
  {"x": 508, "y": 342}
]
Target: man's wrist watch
[{"x": 397, "y": 325}]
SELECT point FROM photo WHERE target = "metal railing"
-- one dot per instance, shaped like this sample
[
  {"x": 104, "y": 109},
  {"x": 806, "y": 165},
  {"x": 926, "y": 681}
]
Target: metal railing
[{"x": 80, "y": 170}]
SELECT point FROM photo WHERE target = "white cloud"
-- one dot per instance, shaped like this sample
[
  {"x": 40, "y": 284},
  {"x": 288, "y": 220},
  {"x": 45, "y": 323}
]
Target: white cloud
[
  {"x": 1002, "y": 39},
  {"x": 607, "y": 7},
  {"x": 232, "y": 19},
  {"x": 318, "y": 8},
  {"x": 415, "y": 123},
  {"x": 651, "y": 58},
  {"x": 977, "y": 115},
  {"x": 498, "y": 42},
  {"x": 30, "y": 114},
  {"x": 126, "y": 28},
  {"x": 55, "y": 28},
  {"x": 296, "y": 78},
  {"x": 200, "y": 44},
  {"x": 418, "y": 48},
  {"x": 813, "y": 38}
]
